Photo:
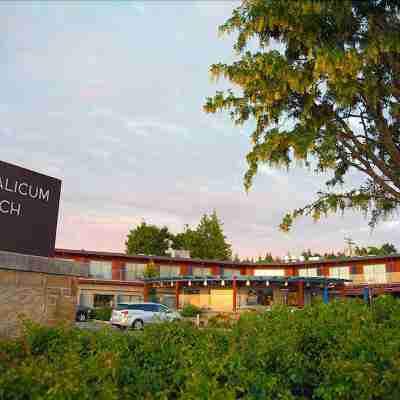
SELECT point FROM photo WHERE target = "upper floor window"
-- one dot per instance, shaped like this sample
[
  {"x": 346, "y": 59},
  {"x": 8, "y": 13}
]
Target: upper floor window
[
  {"x": 375, "y": 273},
  {"x": 269, "y": 272},
  {"x": 200, "y": 271},
  {"x": 134, "y": 271},
  {"x": 167, "y": 271},
  {"x": 339, "y": 272},
  {"x": 228, "y": 272},
  {"x": 100, "y": 269},
  {"x": 308, "y": 272}
]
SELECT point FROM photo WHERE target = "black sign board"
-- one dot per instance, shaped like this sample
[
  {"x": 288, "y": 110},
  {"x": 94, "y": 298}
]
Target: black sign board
[{"x": 28, "y": 211}]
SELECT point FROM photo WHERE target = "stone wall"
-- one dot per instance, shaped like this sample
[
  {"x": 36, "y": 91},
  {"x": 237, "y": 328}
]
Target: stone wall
[{"x": 41, "y": 289}]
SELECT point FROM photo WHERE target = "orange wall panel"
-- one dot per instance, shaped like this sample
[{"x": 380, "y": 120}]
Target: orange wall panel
[{"x": 117, "y": 268}]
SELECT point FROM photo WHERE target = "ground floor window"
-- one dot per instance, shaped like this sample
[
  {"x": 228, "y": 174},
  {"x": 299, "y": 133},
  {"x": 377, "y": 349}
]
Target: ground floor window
[
  {"x": 103, "y": 300},
  {"x": 86, "y": 299},
  {"x": 169, "y": 300},
  {"x": 128, "y": 299}
]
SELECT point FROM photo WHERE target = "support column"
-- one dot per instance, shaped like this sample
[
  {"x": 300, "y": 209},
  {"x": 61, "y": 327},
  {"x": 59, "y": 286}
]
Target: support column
[
  {"x": 177, "y": 294},
  {"x": 234, "y": 292},
  {"x": 325, "y": 295},
  {"x": 366, "y": 294},
  {"x": 146, "y": 292},
  {"x": 300, "y": 286},
  {"x": 342, "y": 291},
  {"x": 285, "y": 295}
]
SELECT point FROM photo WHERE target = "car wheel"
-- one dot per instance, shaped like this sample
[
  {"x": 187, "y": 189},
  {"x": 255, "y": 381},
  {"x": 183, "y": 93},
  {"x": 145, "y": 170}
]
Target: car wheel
[
  {"x": 137, "y": 325},
  {"x": 82, "y": 317}
]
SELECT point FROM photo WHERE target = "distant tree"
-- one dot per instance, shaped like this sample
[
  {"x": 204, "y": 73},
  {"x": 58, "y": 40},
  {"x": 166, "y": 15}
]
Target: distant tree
[
  {"x": 384, "y": 250},
  {"x": 308, "y": 254},
  {"x": 186, "y": 240},
  {"x": 388, "y": 248},
  {"x": 360, "y": 251},
  {"x": 148, "y": 239},
  {"x": 207, "y": 241},
  {"x": 236, "y": 258},
  {"x": 321, "y": 82},
  {"x": 266, "y": 259}
]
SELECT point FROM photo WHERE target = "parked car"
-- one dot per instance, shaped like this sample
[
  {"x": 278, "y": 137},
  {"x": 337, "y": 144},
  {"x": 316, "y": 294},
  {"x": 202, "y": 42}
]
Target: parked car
[
  {"x": 137, "y": 315},
  {"x": 82, "y": 313}
]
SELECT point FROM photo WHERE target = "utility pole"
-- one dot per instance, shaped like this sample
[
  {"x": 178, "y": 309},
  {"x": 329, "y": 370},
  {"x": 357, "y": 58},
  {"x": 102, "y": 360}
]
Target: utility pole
[{"x": 350, "y": 243}]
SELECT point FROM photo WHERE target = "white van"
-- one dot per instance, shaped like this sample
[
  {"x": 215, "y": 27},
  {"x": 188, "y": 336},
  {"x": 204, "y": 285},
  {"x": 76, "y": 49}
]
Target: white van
[{"x": 137, "y": 315}]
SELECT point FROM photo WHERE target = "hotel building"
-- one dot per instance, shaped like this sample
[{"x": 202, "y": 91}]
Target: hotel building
[{"x": 226, "y": 285}]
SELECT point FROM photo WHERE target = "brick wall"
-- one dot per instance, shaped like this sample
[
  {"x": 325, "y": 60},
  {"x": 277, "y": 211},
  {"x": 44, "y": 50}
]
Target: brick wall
[{"x": 40, "y": 289}]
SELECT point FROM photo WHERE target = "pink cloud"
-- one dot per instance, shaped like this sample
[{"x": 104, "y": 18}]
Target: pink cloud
[{"x": 93, "y": 92}]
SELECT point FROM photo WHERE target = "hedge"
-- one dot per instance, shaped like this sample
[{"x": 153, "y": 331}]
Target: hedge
[
  {"x": 102, "y": 314},
  {"x": 190, "y": 311},
  {"x": 340, "y": 351}
]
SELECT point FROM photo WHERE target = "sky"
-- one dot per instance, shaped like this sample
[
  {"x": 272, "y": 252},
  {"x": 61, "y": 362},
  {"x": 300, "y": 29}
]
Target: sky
[{"x": 108, "y": 97}]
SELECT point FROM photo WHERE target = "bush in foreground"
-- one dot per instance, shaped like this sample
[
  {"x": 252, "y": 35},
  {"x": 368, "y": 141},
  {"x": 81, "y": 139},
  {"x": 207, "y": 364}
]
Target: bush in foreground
[
  {"x": 190, "y": 311},
  {"x": 102, "y": 314},
  {"x": 340, "y": 351}
]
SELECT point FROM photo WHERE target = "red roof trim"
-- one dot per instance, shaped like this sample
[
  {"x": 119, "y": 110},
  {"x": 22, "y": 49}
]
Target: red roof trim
[
  {"x": 229, "y": 264},
  {"x": 90, "y": 281}
]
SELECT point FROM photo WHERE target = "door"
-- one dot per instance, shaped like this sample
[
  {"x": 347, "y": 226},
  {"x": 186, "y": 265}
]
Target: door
[{"x": 221, "y": 299}]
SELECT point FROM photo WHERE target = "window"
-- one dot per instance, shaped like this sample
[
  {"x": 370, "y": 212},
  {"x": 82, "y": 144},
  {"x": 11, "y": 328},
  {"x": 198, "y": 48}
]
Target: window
[
  {"x": 128, "y": 299},
  {"x": 100, "y": 269},
  {"x": 149, "y": 307},
  {"x": 375, "y": 273},
  {"x": 167, "y": 271},
  {"x": 86, "y": 299},
  {"x": 228, "y": 272},
  {"x": 200, "y": 271},
  {"x": 339, "y": 272},
  {"x": 308, "y": 272},
  {"x": 103, "y": 300},
  {"x": 134, "y": 271},
  {"x": 269, "y": 272}
]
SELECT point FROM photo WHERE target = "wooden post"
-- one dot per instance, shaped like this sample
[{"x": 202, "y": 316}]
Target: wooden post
[
  {"x": 146, "y": 292},
  {"x": 234, "y": 291},
  {"x": 177, "y": 295},
  {"x": 342, "y": 291},
  {"x": 300, "y": 292}
]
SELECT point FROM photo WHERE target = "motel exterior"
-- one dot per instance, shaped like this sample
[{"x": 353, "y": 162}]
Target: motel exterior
[{"x": 226, "y": 285}]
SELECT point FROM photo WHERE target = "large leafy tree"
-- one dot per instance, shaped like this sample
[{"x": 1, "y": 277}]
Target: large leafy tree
[
  {"x": 207, "y": 241},
  {"x": 148, "y": 239},
  {"x": 328, "y": 95}
]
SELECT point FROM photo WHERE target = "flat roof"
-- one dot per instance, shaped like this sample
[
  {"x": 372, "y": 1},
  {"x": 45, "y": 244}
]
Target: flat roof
[{"x": 233, "y": 264}]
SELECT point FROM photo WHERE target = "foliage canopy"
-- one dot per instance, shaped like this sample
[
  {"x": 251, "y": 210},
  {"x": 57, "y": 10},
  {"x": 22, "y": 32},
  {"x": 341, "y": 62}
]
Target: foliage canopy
[
  {"x": 323, "y": 87},
  {"x": 343, "y": 350},
  {"x": 148, "y": 239},
  {"x": 207, "y": 241}
]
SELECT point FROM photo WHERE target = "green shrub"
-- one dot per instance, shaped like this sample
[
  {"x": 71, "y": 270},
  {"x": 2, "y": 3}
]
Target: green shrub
[
  {"x": 190, "y": 311},
  {"x": 102, "y": 314},
  {"x": 340, "y": 351}
]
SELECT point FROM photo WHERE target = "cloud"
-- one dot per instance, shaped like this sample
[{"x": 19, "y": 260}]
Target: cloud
[{"x": 112, "y": 104}]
